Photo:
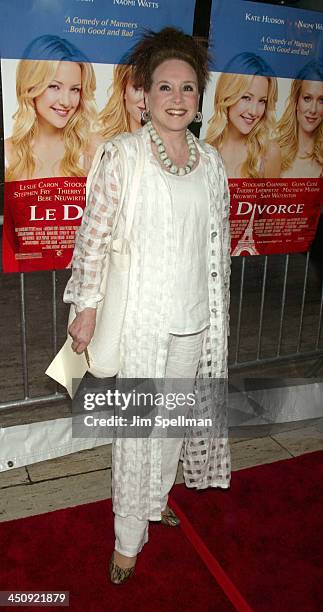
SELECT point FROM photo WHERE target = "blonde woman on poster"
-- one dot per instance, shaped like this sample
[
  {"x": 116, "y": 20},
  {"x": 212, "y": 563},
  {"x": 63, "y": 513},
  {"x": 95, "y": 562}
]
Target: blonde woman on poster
[
  {"x": 125, "y": 106},
  {"x": 56, "y": 112},
  {"x": 301, "y": 125},
  {"x": 244, "y": 119}
]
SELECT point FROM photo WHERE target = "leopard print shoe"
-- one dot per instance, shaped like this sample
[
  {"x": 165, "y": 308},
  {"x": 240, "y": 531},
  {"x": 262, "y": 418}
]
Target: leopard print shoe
[
  {"x": 169, "y": 518},
  {"x": 119, "y": 575}
]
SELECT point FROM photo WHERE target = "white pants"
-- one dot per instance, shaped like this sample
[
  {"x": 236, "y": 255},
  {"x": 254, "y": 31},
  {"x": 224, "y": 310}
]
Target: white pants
[{"x": 183, "y": 356}]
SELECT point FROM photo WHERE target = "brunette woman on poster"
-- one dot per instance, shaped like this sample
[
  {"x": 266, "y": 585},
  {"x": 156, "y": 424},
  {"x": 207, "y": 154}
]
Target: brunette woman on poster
[
  {"x": 176, "y": 320},
  {"x": 125, "y": 105},
  {"x": 300, "y": 128},
  {"x": 244, "y": 118},
  {"x": 56, "y": 112}
]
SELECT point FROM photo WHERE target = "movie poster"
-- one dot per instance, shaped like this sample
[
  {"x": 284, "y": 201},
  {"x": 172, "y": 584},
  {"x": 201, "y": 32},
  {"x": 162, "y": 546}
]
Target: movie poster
[
  {"x": 66, "y": 89},
  {"x": 263, "y": 110}
]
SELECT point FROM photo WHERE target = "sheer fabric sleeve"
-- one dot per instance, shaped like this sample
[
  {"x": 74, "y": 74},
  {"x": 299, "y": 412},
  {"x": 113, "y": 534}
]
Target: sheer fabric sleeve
[{"x": 94, "y": 234}]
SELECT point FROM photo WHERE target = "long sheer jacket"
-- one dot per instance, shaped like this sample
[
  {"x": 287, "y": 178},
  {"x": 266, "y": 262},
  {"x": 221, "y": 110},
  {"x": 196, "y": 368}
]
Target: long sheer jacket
[{"x": 206, "y": 455}]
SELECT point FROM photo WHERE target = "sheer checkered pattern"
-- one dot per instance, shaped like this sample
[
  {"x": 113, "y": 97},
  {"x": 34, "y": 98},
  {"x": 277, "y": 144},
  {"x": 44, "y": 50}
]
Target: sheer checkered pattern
[{"x": 92, "y": 238}]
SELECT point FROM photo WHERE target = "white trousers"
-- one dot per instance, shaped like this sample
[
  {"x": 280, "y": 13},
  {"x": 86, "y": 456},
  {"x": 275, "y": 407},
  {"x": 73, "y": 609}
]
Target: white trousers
[{"x": 184, "y": 353}]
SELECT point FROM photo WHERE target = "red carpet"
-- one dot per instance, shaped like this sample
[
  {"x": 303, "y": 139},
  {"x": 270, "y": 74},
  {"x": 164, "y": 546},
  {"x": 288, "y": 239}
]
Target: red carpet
[
  {"x": 68, "y": 550},
  {"x": 265, "y": 532},
  {"x": 257, "y": 544}
]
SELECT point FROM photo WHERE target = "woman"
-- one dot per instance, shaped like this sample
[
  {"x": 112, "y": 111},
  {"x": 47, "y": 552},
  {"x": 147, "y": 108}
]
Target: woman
[
  {"x": 301, "y": 127},
  {"x": 176, "y": 321},
  {"x": 56, "y": 112},
  {"x": 123, "y": 110},
  {"x": 243, "y": 120}
]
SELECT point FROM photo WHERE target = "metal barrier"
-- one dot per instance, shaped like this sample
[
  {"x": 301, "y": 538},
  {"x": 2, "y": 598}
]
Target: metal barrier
[
  {"x": 252, "y": 340},
  {"x": 27, "y": 400},
  {"x": 278, "y": 355}
]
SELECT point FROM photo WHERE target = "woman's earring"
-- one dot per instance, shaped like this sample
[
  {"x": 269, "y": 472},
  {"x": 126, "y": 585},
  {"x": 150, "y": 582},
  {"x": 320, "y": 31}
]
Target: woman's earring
[
  {"x": 145, "y": 116},
  {"x": 198, "y": 117}
]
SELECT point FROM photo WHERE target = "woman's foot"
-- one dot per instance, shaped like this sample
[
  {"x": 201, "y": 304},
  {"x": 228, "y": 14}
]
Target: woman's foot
[
  {"x": 123, "y": 561},
  {"x": 121, "y": 567},
  {"x": 169, "y": 518}
]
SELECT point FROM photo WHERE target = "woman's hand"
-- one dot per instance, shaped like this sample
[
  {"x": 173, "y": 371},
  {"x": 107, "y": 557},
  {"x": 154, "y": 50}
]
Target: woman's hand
[{"x": 82, "y": 329}]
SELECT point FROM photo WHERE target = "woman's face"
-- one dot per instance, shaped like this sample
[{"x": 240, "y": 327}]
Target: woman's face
[
  {"x": 60, "y": 100},
  {"x": 173, "y": 97},
  {"x": 249, "y": 110},
  {"x": 310, "y": 105},
  {"x": 135, "y": 104}
]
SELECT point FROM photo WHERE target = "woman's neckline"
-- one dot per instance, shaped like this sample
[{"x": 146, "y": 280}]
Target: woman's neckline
[
  {"x": 156, "y": 161},
  {"x": 184, "y": 176},
  {"x": 165, "y": 171}
]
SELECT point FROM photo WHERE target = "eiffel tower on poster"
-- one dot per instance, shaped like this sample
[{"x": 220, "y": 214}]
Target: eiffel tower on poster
[{"x": 246, "y": 243}]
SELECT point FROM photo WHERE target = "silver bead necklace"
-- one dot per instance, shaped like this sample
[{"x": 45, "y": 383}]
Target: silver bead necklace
[{"x": 161, "y": 150}]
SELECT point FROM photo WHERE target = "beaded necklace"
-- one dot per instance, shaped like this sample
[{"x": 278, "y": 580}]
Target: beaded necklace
[{"x": 161, "y": 150}]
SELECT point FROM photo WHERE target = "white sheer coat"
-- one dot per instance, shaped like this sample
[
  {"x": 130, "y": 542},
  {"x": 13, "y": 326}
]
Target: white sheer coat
[{"x": 137, "y": 462}]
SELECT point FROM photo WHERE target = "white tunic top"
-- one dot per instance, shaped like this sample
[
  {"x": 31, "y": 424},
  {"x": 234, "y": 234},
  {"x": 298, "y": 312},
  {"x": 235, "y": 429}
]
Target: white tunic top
[{"x": 190, "y": 305}]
